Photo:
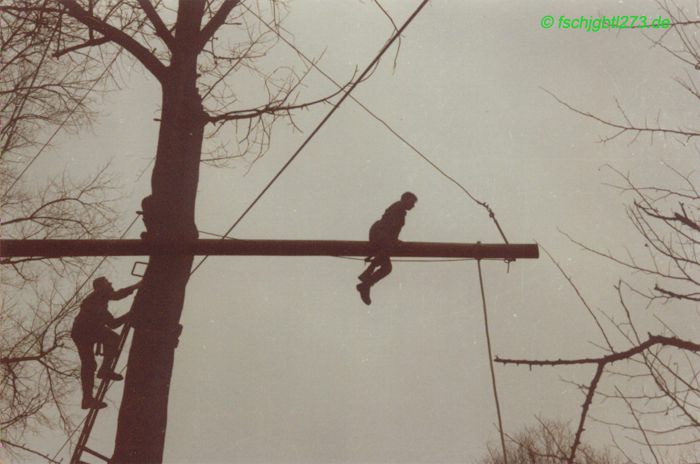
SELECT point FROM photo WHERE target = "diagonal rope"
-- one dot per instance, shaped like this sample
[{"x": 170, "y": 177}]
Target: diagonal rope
[
  {"x": 493, "y": 373},
  {"x": 312, "y": 63},
  {"x": 346, "y": 94}
]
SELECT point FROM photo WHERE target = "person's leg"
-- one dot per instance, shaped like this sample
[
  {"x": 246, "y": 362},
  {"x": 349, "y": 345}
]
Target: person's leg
[
  {"x": 87, "y": 374},
  {"x": 375, "y": 240},
  {"x": 368, "y": 272},
  {"x": 383, "y": 263},
  {"x": 364, "y": 285},
  {"x": 87, "y": 367},
  {"x": 379, "y": 268},
  {"x": 110, "y": 342}
]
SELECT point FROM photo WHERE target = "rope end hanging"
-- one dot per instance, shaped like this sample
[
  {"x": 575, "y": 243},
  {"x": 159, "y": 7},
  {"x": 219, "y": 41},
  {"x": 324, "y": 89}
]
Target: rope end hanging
[
  {"x": 490, "y": 355},
  {"x": 508, "y": 261}
]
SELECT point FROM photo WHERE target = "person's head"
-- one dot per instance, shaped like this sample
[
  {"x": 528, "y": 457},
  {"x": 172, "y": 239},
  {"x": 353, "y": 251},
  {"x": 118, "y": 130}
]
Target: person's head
[
  {"x": 146, "y": 201},
  {"x": 408, "y": 200},
  {"x": 102, "y": 285}
]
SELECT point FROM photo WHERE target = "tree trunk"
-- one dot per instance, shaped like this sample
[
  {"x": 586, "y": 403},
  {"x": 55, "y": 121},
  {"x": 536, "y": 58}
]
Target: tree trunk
[{"x": 158, "y": 304}]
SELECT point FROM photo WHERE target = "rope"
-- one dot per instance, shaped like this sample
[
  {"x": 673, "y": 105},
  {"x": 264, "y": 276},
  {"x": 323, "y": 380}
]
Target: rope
[
  {"x": 352, "y": 87},
  {"x": 313, "y": 64},
  {"x": 493, "y": 373}
]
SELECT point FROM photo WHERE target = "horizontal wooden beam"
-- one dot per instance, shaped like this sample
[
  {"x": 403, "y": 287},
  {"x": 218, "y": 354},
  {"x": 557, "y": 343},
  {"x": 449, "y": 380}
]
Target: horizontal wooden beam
[{"x": 234, "y": 247}]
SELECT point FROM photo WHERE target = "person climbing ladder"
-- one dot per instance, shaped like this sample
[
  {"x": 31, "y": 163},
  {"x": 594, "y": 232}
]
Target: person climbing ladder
[
  {"x": 93, "y": 325},
  {"x": 383, "y": 236}
]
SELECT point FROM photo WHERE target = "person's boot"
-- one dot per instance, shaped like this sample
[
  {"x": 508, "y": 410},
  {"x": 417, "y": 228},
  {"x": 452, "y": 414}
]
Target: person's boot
[
  {"x": 363, "y": 288},
  {"x": 107, "y": 374},
  {"x": 93, "y": 403}
]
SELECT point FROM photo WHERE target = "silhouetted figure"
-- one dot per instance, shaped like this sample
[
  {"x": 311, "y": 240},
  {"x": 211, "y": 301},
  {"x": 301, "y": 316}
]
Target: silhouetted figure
[
  {"x": 147, "y": 214},
  {"x": 383, "y": 235},
  {"x": 152, "y": 216},
  {"x": 92, "y": 326}
]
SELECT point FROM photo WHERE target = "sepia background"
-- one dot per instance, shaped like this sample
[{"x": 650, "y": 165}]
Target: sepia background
[{"x": 280, "y": 361}]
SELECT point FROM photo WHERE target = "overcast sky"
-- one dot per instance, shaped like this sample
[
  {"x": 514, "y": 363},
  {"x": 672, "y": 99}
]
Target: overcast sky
[{"x": 279, "y": 360}]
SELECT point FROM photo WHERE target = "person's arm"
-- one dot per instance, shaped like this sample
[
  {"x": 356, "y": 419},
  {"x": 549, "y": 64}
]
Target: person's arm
[
  {"x": 124, "y": 292},
  {"x": 116, "y": 322}
]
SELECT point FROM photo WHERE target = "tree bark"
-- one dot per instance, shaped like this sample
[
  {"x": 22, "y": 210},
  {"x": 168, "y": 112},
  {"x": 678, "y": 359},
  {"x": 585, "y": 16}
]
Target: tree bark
[{"x": 158, "y": 304}]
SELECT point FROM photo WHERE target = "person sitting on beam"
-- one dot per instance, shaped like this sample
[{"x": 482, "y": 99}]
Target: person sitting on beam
[{"x": 383, "y": 236}]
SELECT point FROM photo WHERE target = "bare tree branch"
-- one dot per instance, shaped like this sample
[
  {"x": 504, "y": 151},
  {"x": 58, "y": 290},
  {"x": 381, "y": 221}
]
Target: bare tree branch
[
  {"x": 117, "y": 36},
  {"x": 216, "y": 22},
  {"x": 154, "y": 17}
]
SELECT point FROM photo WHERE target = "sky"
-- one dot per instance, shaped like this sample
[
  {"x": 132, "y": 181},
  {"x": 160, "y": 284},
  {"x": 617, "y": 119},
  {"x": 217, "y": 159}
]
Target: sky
[{"x": 279, "y": 360}]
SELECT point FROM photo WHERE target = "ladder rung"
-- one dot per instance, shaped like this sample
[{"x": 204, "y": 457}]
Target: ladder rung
[{"x": 95, "y": 453}]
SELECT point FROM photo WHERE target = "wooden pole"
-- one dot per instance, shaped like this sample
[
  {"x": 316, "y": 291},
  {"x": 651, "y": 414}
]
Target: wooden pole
[{"x": 233, "y": 247}]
